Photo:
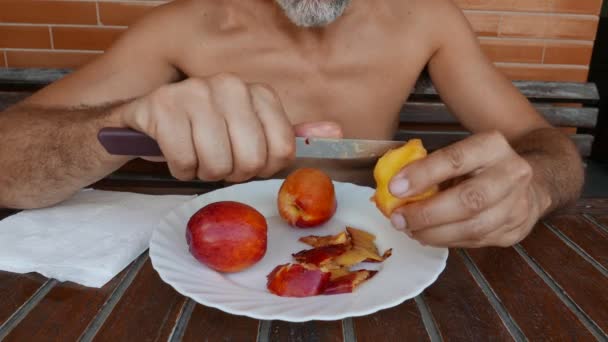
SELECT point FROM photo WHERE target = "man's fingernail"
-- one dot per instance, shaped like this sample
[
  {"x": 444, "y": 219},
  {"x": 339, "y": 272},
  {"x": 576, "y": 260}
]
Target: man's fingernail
[
  {"x": 321, "y": 129},
  {"x": 399, "y": 187},
  {"x": 398, "y": 222},
  {"x": 330, "y": 130}
]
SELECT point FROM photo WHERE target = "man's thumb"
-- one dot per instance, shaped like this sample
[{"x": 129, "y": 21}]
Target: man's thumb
[{"x": 319, "y": 129}]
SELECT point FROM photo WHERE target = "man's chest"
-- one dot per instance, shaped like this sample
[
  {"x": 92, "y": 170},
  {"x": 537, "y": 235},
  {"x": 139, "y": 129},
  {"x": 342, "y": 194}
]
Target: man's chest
[{"x": 361, "y": 87}]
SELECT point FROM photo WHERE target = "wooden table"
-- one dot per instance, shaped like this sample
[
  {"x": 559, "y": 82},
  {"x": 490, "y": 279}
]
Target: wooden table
[{"x": 552, "y": 286}]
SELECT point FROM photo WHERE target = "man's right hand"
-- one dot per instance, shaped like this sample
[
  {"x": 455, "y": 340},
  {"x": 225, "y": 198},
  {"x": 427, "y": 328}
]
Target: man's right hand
[{"x": 220, "y": 128}]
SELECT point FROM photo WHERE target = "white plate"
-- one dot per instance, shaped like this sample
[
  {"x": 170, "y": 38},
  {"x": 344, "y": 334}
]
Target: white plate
[{"x": 404, "y": 275}]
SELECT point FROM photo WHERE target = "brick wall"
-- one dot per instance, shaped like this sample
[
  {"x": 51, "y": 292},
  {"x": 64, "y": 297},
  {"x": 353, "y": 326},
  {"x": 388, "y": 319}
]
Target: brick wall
[{"x": 527, "y": 39}]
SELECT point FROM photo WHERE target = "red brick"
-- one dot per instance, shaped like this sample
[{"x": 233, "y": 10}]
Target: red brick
[
  {"x": 548, "y": 26},
  {"x": 506, "y": 5},
  {"x": 484, "y": 24},
  {"x": 578, "y": 6},
  {"x": 544, "y": 73},
  {"x": 27, "y": 37},
  {"x": 116, "y": 13},
  {"x": 572, "y": 28},
  {"x": 546, "y": 6},
  {"x": 513, "y": 51},
  {"x": 47, "y": 12},
  {"x": 557, "y": 52},
  {"x": 84, "y": 38}
]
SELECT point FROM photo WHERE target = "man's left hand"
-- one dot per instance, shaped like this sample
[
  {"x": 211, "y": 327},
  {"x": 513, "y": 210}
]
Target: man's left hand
[{"x": 497, "y": 205}]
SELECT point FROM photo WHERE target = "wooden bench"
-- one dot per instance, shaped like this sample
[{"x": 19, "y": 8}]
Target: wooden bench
[{"x": 564, "y": 104}]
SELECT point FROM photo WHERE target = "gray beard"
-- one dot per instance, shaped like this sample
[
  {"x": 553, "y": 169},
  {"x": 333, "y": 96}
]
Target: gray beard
[{"x": 313, "y": 13}]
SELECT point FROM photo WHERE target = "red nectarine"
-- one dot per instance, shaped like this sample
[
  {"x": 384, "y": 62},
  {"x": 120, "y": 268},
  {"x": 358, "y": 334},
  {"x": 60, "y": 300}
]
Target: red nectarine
[
  {"x": 227, "y": 236},
  {"x": 295, "y": 280}
]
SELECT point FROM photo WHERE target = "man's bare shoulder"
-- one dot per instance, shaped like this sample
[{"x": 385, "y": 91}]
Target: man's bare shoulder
[
  {"x": 209, "y": 15},
  {"x": 429, "y": 9},
  {"x": 181, "y": 20},
  {"x": 142, "y": 59},
  {"x": 437, "y": 20},
  {"x": 168, "y": 30}
]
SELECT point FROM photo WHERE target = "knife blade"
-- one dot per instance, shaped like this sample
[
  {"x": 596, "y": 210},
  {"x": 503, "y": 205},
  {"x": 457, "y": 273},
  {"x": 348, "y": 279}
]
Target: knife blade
[{"x": 128, "y": 142}]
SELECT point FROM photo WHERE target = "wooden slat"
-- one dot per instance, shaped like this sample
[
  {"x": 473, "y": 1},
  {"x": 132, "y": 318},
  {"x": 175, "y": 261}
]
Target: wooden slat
[
  {"x": 15, "y": 290},
  {"x": 591, "y": 206},
  {"x": 590, "y": 238},
  {"x": 145, "y": 167},
  {"x": 153, "y": 178},
  {"x": 9, "y": 98},
  {"x": 64, "y": 313},
  {"x": 310, "y": 331},
  {"x": 147, "y": 311},
  {"x": 538, "y": 311},
  {"x": 208, "y": 324},
  {"x": 454, "y": 313},
  {"x": 152, "y": 187},
  {"x": 602, "y": 218},
  {"x": 437, "y": 139},
  {"x": 4, "y": 213},
  {"x": 16, "y": 79},
  {"x": 401, "y": 323},
  {"x": 429, "y": 112},
  {"x": 533, "y": 90},
  {"x": 578, "y": 278},
  {"x": 558, "y": 91},
  {"x": 12, "y": 79},
  {"x": 437, "y": 113}
]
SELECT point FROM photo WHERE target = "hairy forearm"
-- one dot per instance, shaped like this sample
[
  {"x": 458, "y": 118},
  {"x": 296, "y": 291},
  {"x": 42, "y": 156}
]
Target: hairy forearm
[
  {"x": 558, "y": 171},
  {"x": 47, "y": 154}
]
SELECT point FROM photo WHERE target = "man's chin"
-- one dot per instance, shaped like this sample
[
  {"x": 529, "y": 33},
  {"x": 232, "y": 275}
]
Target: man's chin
[{"x": 313, "y": 13}]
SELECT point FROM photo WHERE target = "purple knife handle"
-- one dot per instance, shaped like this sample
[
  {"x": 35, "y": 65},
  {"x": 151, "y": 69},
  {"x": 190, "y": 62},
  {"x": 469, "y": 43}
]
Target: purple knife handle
[{"x": 127, "y": 142}]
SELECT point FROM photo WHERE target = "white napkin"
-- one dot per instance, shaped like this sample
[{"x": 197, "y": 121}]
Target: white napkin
[{"x": 87, "y": 239}]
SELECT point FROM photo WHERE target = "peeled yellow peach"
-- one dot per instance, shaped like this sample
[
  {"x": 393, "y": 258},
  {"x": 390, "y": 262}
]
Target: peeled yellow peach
[{"x": 388, "y": 166}]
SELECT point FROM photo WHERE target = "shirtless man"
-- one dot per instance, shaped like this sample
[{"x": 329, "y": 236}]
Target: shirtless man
[{"x": 223, "y": 86}]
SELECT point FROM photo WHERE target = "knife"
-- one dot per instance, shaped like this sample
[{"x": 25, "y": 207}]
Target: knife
[{"x": 127, "y": 142}]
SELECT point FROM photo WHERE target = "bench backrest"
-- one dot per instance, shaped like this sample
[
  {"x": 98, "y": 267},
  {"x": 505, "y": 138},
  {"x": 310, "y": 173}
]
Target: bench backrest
[{"x": 423, "y": 107}]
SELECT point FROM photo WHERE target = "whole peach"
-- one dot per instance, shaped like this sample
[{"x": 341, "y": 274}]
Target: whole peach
[
  {"x": 227, "y": 236},
  {"x": 307, "y": 198}
]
